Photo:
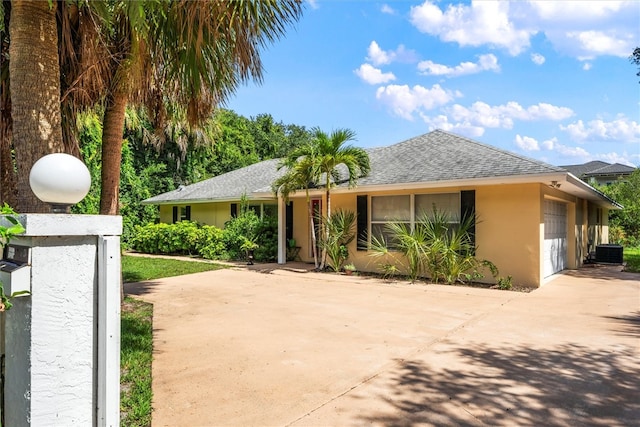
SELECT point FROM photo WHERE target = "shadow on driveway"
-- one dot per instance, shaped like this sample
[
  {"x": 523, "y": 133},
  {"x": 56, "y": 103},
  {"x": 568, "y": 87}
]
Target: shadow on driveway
[{"x": 566, "y": 385}]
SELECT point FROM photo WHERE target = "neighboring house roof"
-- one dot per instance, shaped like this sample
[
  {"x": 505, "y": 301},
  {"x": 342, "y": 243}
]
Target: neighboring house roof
[
  {"x": 599, "y": 168},
  {"x": 435, "y": 158}
]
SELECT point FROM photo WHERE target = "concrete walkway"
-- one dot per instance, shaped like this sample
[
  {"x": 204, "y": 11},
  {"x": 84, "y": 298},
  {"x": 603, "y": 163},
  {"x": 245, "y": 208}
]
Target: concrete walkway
[{"x": 276, "y": 348}]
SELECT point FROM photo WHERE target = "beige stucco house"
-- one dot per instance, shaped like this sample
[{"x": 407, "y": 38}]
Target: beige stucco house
[{"x": 534, "y": 219}]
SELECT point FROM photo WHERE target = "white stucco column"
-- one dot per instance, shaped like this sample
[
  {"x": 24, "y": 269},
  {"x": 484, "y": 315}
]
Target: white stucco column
[
  {"x": 282, "y": 230},
  {"x": 62, "y": 341}
]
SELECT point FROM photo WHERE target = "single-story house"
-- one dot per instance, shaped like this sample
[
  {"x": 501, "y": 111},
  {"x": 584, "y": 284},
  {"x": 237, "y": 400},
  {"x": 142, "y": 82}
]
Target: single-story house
[
  {"x": 599, "y": 172},
  {"x": 534, "y": 219}
]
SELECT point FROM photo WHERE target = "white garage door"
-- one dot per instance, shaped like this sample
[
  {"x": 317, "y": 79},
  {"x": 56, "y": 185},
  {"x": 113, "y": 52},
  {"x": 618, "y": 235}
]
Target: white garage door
[{"x": 555, "y": 237}]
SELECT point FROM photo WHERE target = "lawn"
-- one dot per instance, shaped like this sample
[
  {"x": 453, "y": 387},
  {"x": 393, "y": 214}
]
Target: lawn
[
  {"x": 138, "y": 268},
  {"x": 137, "y": 334},
  {"x": 632, "y": 258}
]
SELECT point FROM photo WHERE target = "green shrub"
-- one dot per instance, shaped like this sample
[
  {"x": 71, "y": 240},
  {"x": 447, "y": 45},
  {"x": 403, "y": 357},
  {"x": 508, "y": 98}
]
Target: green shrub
[
  {"x": 340, "y": 230},
  {"x": 210, "y": 244},
  {"x": 433, "y": 248},
  {"x": 178, "y": 238}
]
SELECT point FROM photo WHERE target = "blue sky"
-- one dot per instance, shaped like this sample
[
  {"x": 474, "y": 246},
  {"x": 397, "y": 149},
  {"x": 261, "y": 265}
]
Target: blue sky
[{"x": 549, "y": 80}]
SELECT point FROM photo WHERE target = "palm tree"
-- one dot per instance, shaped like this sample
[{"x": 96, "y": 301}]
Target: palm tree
[
  {"x": 193, "y": 53},
  {"x": 333, "y": 152},
  {"x": 302, "y": 173},
  {"x": 35, "y": 94}
]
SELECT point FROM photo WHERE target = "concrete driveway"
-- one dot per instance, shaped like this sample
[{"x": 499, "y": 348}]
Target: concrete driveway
[{"x": 277, "y": 348}]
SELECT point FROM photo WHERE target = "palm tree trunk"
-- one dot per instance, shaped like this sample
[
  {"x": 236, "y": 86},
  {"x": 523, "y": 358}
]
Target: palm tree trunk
[
  {"x": 325, "y": 229},
  {"x": 113, "y": 127},
  {"x": 313, "y": 231},
  {"x": 34, "y": 72}
]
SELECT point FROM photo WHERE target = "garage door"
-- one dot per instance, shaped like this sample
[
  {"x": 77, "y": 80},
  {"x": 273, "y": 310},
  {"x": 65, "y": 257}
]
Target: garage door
[{"x": 555, "y": 237}]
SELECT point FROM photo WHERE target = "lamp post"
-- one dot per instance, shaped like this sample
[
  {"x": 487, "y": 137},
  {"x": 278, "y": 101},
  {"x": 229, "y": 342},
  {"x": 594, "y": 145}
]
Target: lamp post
[
  {"x": 62, "y": 339},
  {"x": 60, "y": 180}
]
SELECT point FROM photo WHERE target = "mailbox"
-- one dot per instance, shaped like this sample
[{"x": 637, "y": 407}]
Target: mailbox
[{"x": 15, "y": 270}]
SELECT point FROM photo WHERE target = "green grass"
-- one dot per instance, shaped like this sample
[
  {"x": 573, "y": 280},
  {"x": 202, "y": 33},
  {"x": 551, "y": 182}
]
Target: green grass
[
  {"x": 137, "y": 268},
  {"x": 632, "y": 258},
  {"x": 135, "y": 363}
]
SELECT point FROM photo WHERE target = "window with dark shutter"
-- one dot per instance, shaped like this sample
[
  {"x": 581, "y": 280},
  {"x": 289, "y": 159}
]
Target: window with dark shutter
[
  {"x": 289, "y": 221},
  {"x": 175, "y": 214},
  {"x": 468, "y": 209},
  {"x": 234, "y": 210},
  {"x": 362, "y": 219}
]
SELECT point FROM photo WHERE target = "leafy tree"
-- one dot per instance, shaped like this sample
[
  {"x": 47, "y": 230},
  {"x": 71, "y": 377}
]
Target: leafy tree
[
  {"x": 194, "y": 53},
  {"x": 635, "y": 58},
  {"x": 624, "y": 225}
]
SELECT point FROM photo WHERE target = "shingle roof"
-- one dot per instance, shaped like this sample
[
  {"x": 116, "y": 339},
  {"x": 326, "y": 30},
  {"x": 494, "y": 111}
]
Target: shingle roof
[
  {"x": 443, "y": 156},
  {"x": 228, "y": 186},
  {"x": 435, "y": 156},
  {"x": 597, "y": 167}
]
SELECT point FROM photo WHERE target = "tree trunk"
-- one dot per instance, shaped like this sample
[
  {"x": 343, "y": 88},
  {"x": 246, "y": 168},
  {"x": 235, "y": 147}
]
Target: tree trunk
[
  {"x": 323, "y": 260},
  {"x": 112, "y": 130},
  {"x": 313, "y": 231},
  {"x": 34, "y": 72}
]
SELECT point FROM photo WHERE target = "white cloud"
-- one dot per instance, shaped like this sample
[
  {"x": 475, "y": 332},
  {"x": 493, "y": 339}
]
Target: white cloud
[
  {"x": 487, "y": 62},
  {"x": 621, "y": 130},
  {"x": 550, "y": 143},
  {"x": 527, "y": 143},
  {"x": 576, "y": 10},
  {"x": 586, "y": 66},
  {"x": 387, "y": 9},
  {"x": 313, "y": 4},
  {"x": 381, "y": 57},
  {"x": 573, "y": 152},
  {"x": 442, "y": 122},
  {"x": 372, "y": 75},
  {"x": 503, "y": 116},
  {"x": 581, "y": 29},
  {"x": 596, "y": 43},
  {"x": 537, "y": 58},
  {"x": 404, "y": 101},
  {"x": 482, "y": 22}
]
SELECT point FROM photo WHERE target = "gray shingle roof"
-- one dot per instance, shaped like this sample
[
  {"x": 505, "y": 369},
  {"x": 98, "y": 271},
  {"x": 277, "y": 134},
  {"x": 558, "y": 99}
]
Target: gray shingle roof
[
  {"x": 443, "y": 156},
  {"x": 228, "y": 186},
  {"x": 435, "y": 156},
  {"x": 598, "y": 167}
]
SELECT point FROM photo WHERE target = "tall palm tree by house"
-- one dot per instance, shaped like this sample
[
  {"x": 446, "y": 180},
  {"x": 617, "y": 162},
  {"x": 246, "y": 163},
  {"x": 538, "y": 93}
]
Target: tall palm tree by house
[
  {"x": 319, "y": 160},
  {"x": 193, "y": 53},
  {"x": 302, "y": 173},
  {"x": 334, "y": 151},
  {"x": 35, "y": 93}
]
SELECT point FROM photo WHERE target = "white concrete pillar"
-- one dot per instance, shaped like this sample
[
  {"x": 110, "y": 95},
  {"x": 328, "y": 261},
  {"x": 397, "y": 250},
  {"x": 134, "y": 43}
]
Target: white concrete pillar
[
  {"x": 62, "y": 342},
  {"x": 282, "y": 231}
]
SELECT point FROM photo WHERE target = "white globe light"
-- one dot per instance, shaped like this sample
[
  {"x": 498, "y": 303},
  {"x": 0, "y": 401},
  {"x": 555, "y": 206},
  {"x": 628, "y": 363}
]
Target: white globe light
[{"x": 60, "y": 179}]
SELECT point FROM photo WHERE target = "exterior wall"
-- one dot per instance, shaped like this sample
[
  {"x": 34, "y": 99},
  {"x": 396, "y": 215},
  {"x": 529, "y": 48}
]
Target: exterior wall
[
  {"x": 509, "y": 232},
  {"x": 206, "y": 213}
]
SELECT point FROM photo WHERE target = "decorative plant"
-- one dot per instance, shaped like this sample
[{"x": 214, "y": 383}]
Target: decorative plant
[
  {"x": 349, "y": 267},
  {"x": 6, "y": 233},
  {"x": 340, "y": 232}
]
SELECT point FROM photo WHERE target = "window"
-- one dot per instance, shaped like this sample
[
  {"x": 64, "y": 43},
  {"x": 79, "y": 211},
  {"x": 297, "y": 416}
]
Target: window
[
  {"x": 181, "y": 213},
  {"x": 408, "y": 208},
  {"x": 386, "y": 209},
  {"x": 447, "y": 203}
]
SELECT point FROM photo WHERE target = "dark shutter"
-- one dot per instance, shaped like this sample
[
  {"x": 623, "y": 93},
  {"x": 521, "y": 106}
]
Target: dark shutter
[
  {"x": 175, "y": 214},
  {"x": 289, "y": 221},
  {"x": 468, "y": 209},
  {"x": 362, "y": 222},
  {"x": 234, "y": 210},
  {"x": 187, "y": 213}
]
